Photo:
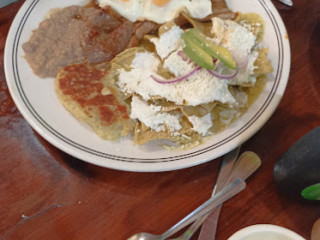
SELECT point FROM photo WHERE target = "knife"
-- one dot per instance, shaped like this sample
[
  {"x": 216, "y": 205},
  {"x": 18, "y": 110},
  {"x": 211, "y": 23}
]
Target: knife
[
  {"x": 245, "y": 166},
  {"x": 227, "y": 165}
]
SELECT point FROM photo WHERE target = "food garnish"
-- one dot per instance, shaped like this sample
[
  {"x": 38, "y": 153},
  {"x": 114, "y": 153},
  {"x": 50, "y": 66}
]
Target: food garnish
[
  {"x": 223, "y": 76},
  {"x": 177, "y": 79},
  {"x": 198, "y": 47},
  {"x": 197, "y": 54}
]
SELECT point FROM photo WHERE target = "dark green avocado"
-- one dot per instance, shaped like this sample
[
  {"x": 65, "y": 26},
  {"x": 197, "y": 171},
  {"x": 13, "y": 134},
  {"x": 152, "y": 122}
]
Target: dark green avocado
[{"x": 299, "y": 168}]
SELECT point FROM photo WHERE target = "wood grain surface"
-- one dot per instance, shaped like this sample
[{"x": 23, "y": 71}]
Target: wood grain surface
[{"x": 47, "y": 194}]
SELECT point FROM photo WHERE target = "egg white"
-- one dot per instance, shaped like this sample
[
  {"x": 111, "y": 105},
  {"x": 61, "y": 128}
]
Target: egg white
[
  {"x": 130, "y": 9},
  {"x": 135, "y": 10},
  {"x": 167, "y": 12}
]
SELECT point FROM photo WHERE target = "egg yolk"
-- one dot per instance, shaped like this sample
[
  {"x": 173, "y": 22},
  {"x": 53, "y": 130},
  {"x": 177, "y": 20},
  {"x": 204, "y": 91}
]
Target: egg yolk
[{"x": 160, "y": 2}]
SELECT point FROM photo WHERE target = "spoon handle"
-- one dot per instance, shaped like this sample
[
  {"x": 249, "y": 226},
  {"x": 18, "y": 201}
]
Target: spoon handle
[{"x": 229, "y": 191}]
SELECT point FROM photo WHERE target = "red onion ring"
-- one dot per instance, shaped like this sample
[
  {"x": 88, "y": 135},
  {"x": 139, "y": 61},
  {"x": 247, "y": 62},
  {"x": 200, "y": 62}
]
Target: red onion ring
[
  {"x": 183, "y": 56},
  {"x": 177, "y": 79},
  {"x": 230, "y": 76}
]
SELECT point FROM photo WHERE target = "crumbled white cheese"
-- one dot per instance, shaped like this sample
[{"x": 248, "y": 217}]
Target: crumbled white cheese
[
  {"x": 201, "y": 124},
  {"x": 145, "y": 60},
  {"x": 151, "y": 116},
  {"x": 232, "y": 35},
  {"x": 246, "y": 75},
  {"x": 200, "y": 88},
  {"x": 251, "y": 60},
  {"x": 168, "y": 41},
  {"x": 176, "y": 65},
  {"x": 246, "y": 25}
]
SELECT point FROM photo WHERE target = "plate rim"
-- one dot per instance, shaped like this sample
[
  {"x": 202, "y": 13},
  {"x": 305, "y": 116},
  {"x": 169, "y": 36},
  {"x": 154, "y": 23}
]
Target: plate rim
[{"x": 150, "y": 165}]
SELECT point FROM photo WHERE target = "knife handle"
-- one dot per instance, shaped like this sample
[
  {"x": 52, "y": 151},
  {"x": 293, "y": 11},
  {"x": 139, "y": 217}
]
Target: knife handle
[{"x": 209, "y": 227}]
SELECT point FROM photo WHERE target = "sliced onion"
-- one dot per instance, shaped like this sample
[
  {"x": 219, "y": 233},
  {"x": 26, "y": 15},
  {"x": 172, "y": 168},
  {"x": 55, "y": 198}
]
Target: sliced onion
[
  {"x": 241, "y": 59},
  {"x": 229, "y": 76},
  {"x": 183, "y": 56},
  {"x": 177, "y": 79}
]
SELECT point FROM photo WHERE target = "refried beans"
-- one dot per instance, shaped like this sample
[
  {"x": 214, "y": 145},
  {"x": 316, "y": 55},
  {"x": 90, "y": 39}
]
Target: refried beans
[{"x": 79, "y": 34}]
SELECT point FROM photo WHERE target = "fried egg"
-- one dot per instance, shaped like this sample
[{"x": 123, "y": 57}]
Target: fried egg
[
  {"x": 130, "y": 9},
  {"x": 159, "y": 11}
]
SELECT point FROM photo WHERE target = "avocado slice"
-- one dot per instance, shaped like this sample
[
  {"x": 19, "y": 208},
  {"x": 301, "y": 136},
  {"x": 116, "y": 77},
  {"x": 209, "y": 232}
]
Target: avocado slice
[
  {"x": 197, "y": 55},
  {"x": 197, "y": 38}
]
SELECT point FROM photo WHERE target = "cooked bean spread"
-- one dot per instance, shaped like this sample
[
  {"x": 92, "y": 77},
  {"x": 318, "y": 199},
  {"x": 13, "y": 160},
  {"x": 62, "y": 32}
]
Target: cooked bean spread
[{"x": 76, "y": 34}]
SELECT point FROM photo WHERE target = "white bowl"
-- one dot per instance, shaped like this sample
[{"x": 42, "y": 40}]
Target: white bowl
[{"x": 265, "y": 232}]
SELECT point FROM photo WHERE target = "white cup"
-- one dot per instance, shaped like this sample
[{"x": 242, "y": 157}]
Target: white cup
[{"x": 265, "y": 232}]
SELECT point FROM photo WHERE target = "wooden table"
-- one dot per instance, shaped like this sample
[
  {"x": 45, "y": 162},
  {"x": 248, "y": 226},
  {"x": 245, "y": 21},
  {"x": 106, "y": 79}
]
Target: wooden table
[{"x": 66, "y": 198}]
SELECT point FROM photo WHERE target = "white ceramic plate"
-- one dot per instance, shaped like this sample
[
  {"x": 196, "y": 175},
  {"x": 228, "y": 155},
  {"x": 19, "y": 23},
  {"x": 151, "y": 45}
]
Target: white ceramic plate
[
  {"x": 38, "y": 103},
  {"x": 265, "y": 232}
]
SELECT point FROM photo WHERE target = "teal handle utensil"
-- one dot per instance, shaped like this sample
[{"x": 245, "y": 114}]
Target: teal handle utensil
[{"x": 4, "y": 3}]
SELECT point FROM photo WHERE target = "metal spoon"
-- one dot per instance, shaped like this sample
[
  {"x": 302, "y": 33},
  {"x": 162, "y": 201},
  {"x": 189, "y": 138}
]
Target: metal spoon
[
  {"x": 235, "y": 187},
  {"x": 246, "y": 165}
]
